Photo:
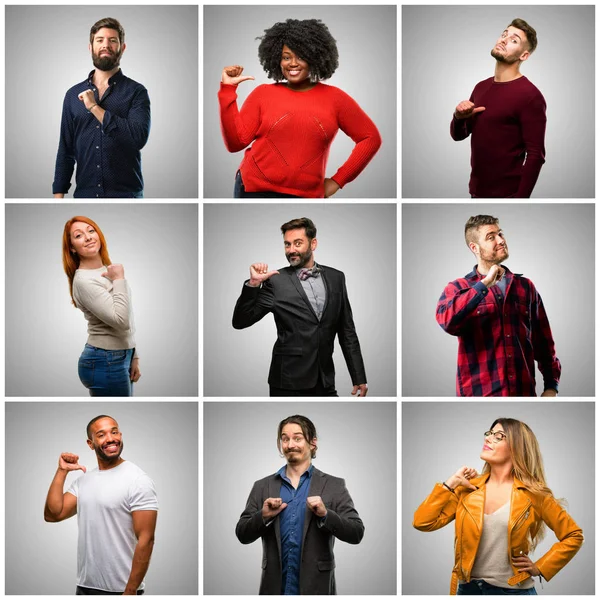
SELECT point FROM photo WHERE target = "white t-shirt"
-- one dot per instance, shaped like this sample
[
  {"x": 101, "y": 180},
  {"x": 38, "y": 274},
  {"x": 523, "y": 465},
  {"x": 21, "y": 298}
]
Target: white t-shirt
[{"x": 106, "y": 542}]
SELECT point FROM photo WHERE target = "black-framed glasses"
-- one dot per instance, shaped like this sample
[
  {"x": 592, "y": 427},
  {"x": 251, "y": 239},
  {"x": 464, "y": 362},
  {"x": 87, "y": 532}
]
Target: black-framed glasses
[{"x": 497, "y": 435}]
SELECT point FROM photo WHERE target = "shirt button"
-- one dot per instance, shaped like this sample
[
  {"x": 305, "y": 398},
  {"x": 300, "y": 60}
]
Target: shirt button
[
  {"x": 98, "y": 166},
  {"x": 508, "y": 335},
  {"x": 98, "y": 185},
  {"x": 510, "y": 356},
  {"x": 97, "y": 147},
  {"x": 97, "y": 126}
]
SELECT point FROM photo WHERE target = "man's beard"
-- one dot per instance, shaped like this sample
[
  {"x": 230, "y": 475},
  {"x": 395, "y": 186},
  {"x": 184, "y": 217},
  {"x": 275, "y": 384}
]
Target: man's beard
[
  {"x": 304, "y": 258},
  {"x": 493, "y": 258},
  {"x": 106, "y": 63},
  {"x": 105, "y": 457},
  {"x": 509, "y": 60},
  {"x": 293, "y": 456}
]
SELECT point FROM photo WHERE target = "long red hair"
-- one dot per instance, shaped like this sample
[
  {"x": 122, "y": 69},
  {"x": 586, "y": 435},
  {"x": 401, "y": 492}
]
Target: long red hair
[{"x": 71, "y": 258}]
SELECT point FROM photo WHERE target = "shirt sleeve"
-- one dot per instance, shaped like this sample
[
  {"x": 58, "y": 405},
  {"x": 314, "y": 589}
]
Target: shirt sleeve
[
  {"x": 74, "y": 487},
  {"x": 457, "y": 304},
  {"x": 142, "y": 495},
  {"x": 134, "y": 129},
  {"x": 533, "y": 130},
  {"x": 356, "y": 124},
  {"x": 461, "y": 128},
  {"x": 543, "y": 346},
  {"x": 239, "y": 128},
  {"x": 65, "y": 157},
  {"x": 110, "y": 308}
]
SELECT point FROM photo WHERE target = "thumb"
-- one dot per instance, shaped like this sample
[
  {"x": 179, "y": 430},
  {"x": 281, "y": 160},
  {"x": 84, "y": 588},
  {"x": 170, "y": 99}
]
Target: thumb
[
  {"x": 271, "y": 273},
  {"x": 244, "y": 78},
  {"x": 478, "y": 109},
  {"x": 105, "y": 274},
  {"x": 469, "y": 485},
  {"x": 82, "y": 468},
  {"x": 283, "y": 505}
]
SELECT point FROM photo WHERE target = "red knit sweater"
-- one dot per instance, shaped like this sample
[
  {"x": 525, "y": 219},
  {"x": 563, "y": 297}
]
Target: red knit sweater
[
  {"x": 507, "y": 138},
  {"x": 292, "y": 133}
]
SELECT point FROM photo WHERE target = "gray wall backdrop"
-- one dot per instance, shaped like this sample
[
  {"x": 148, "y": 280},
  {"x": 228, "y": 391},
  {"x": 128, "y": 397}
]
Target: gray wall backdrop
[
  {"x": 446, "y": 52},
  {"x": 366, "y": 40},
  {"x": 357, "y": 441},
  {"x": 551, "y": 244},
  {"x": 439, "y": 437},
  {"x": 45, "y": 334},
  {"x": 161, "y": 54},
  {"x": 159, "y": 437},
  {"x": 358, "y": 239}
]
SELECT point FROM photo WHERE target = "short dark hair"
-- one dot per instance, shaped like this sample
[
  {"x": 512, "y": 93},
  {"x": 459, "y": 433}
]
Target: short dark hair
[
  {"x": 110, "y": 23},
  {"x": 303, "y": 223},
  {"x": 309, "y": 39},
  {"x": 308, "y": 430},
  {"x": 89, "y": 425},
  {"x": 473, "y": 225},
  {"x": 529, "y": 31}
]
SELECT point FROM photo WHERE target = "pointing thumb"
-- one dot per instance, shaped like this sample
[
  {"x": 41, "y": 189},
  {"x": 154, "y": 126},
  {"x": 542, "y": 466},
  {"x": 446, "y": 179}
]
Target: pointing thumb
[
  {"x": 105, "y": 274},
  {"x": 478, "y": 109}
]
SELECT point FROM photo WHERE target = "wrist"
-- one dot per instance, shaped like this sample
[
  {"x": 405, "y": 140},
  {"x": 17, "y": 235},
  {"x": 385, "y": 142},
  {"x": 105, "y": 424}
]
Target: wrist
[{"x": 254, "y": 283}]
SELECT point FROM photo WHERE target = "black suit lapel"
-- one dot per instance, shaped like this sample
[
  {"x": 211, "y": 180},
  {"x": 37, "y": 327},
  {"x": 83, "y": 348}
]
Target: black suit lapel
[
  {"x": 300, "y": 289},
  {"x": 317, "y": 483},
  {"x": 326, "y": 292},
  {"x": 275, "y": 492}
]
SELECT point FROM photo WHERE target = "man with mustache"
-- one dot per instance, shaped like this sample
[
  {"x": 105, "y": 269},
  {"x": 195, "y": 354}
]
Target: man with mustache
[
  {"x": 500, "y": 321},
  {"x": 506, "y": 119},
  {"x": 105, "y": 123},
  {"x": 117, "y": 508},
  {"x": 310, "y": 305},
  {"x": 298, "y": 512}
]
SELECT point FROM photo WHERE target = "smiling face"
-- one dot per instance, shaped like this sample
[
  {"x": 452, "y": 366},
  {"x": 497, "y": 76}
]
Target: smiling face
[
  {"x": 106, "y": 49},
  {"x": 298, "y": 248},
  {"x": 496, "y": 450},
  {"x": 106, "y": 439},
  {"x": 294, "y": 69},
  {"x": 85, "y": 240},
  {"x": 294, "y": 445},
  {"x": 511, "y": 46},
  {"x": 492, "y": 248}
]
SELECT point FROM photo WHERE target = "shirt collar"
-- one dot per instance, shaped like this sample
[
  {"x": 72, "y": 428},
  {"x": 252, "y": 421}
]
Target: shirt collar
[
  {"x": 282, "y": 474},
  {"x": 118, "y": 75},
  {"x": 477, "y": 276}
]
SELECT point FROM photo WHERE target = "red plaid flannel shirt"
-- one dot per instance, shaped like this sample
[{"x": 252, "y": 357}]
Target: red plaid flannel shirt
[{"x": 498, "y": 337}]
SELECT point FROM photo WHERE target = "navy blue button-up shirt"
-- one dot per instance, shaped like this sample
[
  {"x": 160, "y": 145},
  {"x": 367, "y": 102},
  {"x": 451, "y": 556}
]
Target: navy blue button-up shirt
[
  {"x": 291, "y": 525},
  {"x": 109, "y": 163}
]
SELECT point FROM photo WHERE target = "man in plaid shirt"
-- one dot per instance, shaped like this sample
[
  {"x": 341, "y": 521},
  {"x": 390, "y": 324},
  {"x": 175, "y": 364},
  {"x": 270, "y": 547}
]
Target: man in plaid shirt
[{"x": 500, "y": 321}]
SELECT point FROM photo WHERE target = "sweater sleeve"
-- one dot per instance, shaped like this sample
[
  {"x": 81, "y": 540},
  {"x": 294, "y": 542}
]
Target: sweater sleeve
[
  {"x": 239, "y": 128},
  {"x": 356, "y": 124},
  {"x": 112, "y": 309},
  {"x": 533, "y": 130},
  {"x": 461, "y": 128}
]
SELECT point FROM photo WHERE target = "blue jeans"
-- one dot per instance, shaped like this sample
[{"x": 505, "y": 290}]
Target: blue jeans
[
  {"x": 479, "y": 587},
  {"x": 106, "y": 372},
  {"x": 239, "y": 191}
]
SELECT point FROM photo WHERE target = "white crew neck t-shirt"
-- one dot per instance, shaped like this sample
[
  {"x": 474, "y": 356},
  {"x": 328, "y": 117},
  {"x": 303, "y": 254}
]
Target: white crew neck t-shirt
[{"x": 106, "y": 541}]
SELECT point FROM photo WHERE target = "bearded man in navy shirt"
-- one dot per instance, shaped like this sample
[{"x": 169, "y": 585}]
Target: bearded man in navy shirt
[{"x": 105, "y": 123}]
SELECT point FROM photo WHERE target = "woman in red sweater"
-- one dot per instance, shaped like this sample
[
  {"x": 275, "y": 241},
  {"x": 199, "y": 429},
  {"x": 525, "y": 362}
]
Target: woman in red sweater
[{"x": 293, "y": 124}]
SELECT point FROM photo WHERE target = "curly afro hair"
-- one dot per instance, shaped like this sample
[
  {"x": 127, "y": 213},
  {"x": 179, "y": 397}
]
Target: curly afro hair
[{"x": 309, "y": 39}]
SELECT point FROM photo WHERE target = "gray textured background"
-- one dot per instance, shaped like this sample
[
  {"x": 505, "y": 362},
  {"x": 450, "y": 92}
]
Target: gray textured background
[
  {"x": 159, "y": 437},
  {"x": 358, "y": 239},
  {"x": 551, "y": 244},
  {"x": 45, "y": 334},
  {"x": 439, "y": 437},
  {"x": 357, "y": 441},
  {"x": 366, "y": 40},
  {"x": 47, "y": 53},
  {"x": 446, "y": 52}
]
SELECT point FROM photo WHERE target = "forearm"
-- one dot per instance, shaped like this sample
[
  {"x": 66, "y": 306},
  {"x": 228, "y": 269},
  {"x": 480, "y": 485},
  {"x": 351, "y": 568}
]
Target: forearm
[
  {"x": 459, "y": 129},
  {"x": 54, "y": 499},
  {"x": 235, "y": 134},
  {"x": 437, "y": 510},
  {"x": 455, "y": 307},
  {"x": 349, "y": 529},
  {"x": 360, "y": 157},
  {"x": 98, "y": 112},
  {"x": 139, "y": 564},
  {"x": 531, "y": 172}
]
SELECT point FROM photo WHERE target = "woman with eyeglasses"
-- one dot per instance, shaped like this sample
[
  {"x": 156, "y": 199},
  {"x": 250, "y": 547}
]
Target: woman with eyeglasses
[{"x": 500, "y": 516}]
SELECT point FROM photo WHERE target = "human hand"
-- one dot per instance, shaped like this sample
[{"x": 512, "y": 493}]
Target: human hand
[
  {"x": 467, "y": 109},
  {"x": 549, "y": 393},
  {"x": 134, "y": 370},
  {"x": 524, "y": 563},
  {"x": 461, "y": 477},
  {"x": 495, "y": 274},
  {"x": 331, "y": 187},
  {"x": 361, "y": 388},
  {"x": 272, "y": 507},
  {"x": 69, "y": 462},
  {"x": 233, "y": 75},
  {"x": 88, "y": 98},
  {"x": 315, "y": 503},
  {"x": 59, "y": 195},
  {"x": 259, "y": 272},
  {"x": 114, "y": 272}
]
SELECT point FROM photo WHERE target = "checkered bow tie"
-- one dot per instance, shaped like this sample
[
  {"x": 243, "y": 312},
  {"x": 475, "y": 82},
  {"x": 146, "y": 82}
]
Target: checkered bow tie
[{"x": 304, "y": 274}]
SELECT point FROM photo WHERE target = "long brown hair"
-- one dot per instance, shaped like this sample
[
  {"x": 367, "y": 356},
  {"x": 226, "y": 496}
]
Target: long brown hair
[{"x": 71, "y": 259}]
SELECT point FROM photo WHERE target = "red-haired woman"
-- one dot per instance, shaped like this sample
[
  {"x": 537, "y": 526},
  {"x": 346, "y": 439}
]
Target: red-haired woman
[{"x": 109, "y": 364}]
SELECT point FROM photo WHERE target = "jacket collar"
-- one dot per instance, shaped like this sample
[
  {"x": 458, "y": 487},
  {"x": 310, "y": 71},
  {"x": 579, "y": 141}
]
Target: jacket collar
[{"x": 481, "y": 480}]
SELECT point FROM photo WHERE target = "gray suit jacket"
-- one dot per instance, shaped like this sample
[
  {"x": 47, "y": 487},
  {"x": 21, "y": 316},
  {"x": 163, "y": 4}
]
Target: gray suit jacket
[{"x": 317, "y": 569}]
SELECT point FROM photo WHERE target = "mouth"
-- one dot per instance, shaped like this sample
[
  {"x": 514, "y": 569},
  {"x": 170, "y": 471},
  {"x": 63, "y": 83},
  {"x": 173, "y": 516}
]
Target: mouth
[
  {"x": 501, "y": 47},
  {"x": 112, "y": 447},
  {"x": 90, "y": 245},
  {"x": 105, "y": 53},
  {"x": 294, "y": 72},
  {"x": 486, "y": 447}
]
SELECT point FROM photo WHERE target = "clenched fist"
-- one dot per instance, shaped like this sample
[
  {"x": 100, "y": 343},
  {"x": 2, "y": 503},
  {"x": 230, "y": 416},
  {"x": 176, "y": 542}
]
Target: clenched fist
[
  {"x": 272, "y": 507},
  {"x": 461, "y": 477},
  {"x": 114, "y": 272},
  {"x": 467, "y": 109},
  {"x": 315, "y": 503},
  {"x": 233, "y": 75},
  {"x": 69, "y": 462},
  {"x": 259, "y": 272},
  {"x": 87, "y": 98},
  {"x": 495, "y": 274}
]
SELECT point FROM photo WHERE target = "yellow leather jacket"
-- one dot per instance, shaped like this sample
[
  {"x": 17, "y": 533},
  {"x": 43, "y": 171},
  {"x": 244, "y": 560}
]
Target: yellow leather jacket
[{"x": 527, "y": 511}]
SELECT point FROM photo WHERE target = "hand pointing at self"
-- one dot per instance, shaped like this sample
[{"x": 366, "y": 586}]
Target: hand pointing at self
[
  {"x": 233, "y": 75},
  {"x": 467, "y": 109},
  {"x": 259, "y": 272}
]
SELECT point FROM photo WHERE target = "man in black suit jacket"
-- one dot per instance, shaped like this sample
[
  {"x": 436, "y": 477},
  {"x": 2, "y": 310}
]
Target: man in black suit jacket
[
  {"x": 298, "y": 512},
  {"x": 310, "y": 305}
]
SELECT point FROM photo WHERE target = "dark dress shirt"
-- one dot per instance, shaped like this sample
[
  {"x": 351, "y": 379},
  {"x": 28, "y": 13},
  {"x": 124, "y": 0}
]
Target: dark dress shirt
[
  {"x": 109, "y": 163},
  {"x": 499, "y": 336}
]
